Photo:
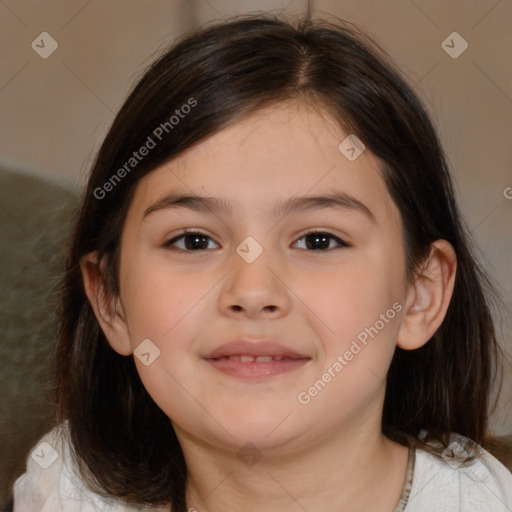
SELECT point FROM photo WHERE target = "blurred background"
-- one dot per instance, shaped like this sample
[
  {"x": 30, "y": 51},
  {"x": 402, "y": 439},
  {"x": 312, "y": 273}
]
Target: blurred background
[{"x": 65, "y": 69}]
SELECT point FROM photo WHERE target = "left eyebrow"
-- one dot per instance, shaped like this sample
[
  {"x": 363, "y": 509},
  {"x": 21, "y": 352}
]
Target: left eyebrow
[
  {"x": 292, "y": 204},
  {"x": 331, "y": 200}
]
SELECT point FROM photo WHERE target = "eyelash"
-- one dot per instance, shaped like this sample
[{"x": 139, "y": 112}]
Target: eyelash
[{"x": 170, "y": 243}]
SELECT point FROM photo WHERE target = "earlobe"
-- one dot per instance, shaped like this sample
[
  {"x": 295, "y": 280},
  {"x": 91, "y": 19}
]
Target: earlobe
[
  {"x": 107, "y": 309},
  {"x": 428, "y": 297}
]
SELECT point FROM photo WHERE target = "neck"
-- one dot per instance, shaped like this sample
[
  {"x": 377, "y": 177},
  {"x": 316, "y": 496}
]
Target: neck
[{"x": 356, "y": 470}]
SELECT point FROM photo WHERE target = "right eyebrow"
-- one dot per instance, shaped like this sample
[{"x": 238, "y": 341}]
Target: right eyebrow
[{"x": 189, "y": 201}]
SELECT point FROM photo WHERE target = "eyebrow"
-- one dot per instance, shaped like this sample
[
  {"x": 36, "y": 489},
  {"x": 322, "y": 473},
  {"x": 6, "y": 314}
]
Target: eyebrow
[{"x": 203, "y": 204}]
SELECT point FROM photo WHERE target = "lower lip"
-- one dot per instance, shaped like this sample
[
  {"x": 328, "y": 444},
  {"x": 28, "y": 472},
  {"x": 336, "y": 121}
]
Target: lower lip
[{"x": 254, "y": 370}]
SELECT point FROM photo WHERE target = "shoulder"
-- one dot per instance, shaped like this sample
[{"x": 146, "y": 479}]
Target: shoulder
[
  {"x": 449, "y": 485},
  {"x": 52, "y": 482}
]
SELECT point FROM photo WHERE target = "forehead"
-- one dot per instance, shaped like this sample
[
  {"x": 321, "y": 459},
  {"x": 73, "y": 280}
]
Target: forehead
[{"x": 290, "y": 149}]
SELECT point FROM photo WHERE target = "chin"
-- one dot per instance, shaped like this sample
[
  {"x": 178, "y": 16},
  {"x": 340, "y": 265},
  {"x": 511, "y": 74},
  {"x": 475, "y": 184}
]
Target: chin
[{"x": 263, "y": 428}]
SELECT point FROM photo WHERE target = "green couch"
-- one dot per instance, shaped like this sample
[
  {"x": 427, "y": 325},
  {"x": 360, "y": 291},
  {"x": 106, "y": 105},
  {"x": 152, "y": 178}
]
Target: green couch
[{"x": 34, "y": 217}]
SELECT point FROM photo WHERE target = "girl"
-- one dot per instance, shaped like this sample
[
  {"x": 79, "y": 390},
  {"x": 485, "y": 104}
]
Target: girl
[{"x": 270, "y": 301}]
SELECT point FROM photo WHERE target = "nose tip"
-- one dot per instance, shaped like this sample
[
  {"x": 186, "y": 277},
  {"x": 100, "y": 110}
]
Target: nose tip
[{"x": 252, "y": 287}]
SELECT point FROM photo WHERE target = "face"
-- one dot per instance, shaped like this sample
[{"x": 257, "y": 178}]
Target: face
[{"x": 321, "y": 281}]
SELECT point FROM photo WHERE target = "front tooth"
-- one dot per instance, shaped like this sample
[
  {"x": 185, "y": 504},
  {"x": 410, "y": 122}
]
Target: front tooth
[
  {"x": 263, "y": 359},
  {"x": 234, "y": 358},
  {"x": 246, "y": 359}
]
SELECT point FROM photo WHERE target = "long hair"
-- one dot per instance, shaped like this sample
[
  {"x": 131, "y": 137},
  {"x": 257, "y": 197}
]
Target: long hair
[{"x": 124, "y": 443}]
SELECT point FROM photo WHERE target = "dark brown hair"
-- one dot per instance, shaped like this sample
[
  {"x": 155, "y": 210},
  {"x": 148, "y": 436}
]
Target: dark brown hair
[{"x": 125, "y": 444}]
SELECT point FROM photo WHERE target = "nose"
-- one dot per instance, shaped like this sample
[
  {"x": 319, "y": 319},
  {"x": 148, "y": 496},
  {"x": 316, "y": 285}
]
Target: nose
[{"x": 254, "y": 290}]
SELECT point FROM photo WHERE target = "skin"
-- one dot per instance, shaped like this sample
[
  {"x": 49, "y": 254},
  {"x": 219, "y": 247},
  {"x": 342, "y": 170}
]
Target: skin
[{"x": 328, "y": 454}]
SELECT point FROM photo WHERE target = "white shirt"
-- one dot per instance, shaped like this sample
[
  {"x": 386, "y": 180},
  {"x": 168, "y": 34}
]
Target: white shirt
[
  {"x": 52, "y": 483},
  {"x": 446, "y": 486}
]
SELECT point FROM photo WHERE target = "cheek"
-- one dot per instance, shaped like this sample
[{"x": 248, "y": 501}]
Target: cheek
[
  {"x": 357, "y": 310},
  {"x": 351, "y": 298},
  {"x": 166, "y": 308},
  {"x": 357, "y": 357},
  {"x": 157, "y": 299}
]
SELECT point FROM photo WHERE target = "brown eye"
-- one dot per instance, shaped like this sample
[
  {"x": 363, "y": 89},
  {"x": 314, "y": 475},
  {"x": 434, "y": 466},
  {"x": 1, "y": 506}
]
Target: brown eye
[
  {"x": 190, "y": 241},
  {"x": 321, "y": 241}
]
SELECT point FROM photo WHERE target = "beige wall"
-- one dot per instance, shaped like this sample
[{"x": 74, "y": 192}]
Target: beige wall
[{"x": 55, "y": 111}]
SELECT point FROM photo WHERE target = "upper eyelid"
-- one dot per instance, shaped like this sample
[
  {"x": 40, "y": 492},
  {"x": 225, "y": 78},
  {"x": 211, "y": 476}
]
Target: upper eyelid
[
  {"x": 188, "y": 232},
  {"x": 340, "y": 239}
]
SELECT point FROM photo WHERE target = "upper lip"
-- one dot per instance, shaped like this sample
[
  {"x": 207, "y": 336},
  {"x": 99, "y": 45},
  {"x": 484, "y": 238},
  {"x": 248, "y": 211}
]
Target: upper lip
[{"x": 253, "y": 348}]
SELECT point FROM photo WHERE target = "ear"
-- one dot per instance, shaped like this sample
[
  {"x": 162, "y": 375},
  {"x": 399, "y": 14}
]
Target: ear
[
  {"x": 428, "y": 297},
  {"x": 107, "y": 309}
]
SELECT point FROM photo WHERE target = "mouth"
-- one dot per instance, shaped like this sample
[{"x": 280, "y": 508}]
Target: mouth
[{"x": 255, "y": 360}]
